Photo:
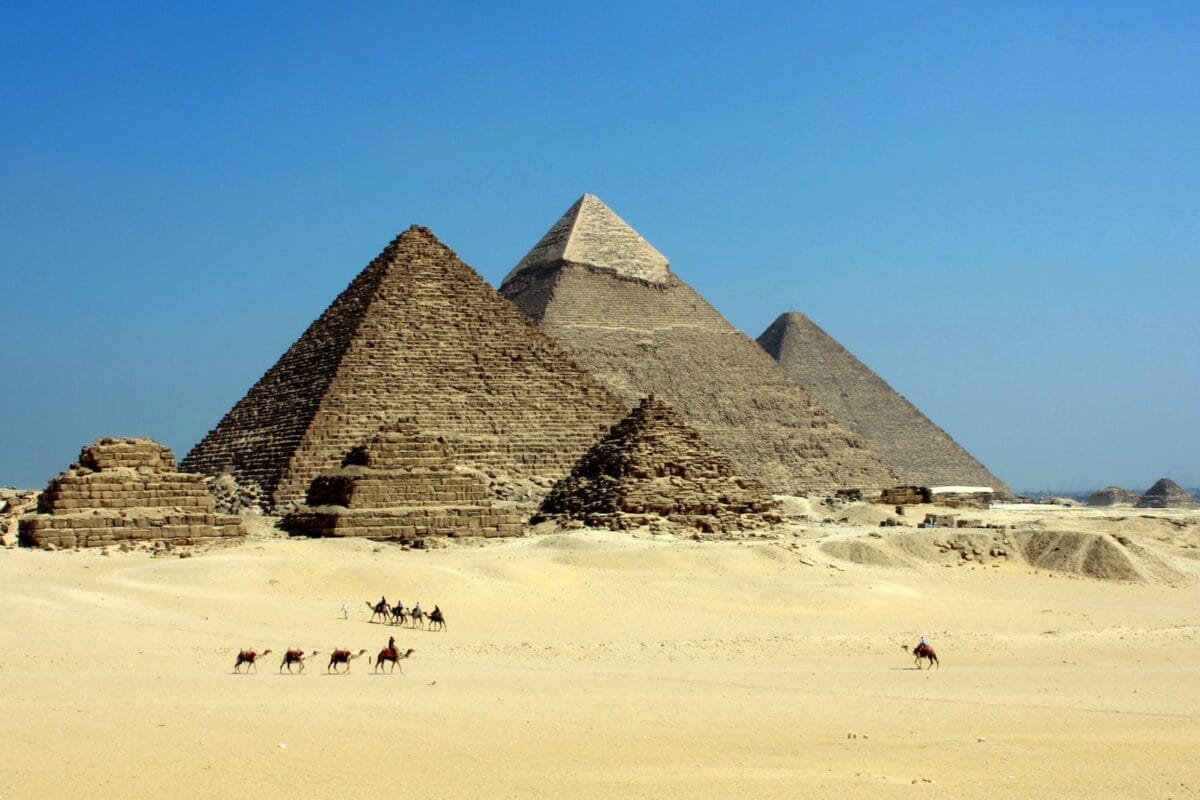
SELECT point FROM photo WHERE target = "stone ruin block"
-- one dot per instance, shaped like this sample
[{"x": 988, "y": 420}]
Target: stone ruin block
[
  {"x": 125, "y": 490},
  {"x": 400, "y": 486}
]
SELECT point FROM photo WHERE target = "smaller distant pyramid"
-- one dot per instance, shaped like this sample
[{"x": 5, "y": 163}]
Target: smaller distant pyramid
[
  {"x": 1113, "y": 496},
  {"x": 400, "y": 486},
  {"x": 125, "y": 490},
  {"x": 1167, "y": 494},
  {"x": 653, "y": 465},
  {"x": 912, "y": 446}
]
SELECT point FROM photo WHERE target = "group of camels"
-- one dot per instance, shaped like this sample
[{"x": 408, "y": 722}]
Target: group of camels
[
  {"x": 390, "y": 655},
  {"x": 399, "y": 615}
]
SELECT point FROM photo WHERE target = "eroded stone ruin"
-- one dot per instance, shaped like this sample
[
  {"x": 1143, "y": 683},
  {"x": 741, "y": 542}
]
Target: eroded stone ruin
[
  {"x": 1113, "y": 496},
  {"x": 912, "y": 446},
  {"x": 125, "y": 490},
  {"x": 401, "y": 486},
  {"x": 417, "y": 335},
  {"x": 653, "y": 466},
  {"x": 611, "y": 300}
]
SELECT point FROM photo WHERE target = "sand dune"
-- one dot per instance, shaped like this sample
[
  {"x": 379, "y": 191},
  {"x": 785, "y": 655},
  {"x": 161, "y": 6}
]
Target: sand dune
[{"x": 597, "y": 664}]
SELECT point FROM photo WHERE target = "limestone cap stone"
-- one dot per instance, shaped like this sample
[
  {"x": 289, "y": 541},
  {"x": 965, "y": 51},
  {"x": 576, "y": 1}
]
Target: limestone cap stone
[{"x": 591, "y": 234}]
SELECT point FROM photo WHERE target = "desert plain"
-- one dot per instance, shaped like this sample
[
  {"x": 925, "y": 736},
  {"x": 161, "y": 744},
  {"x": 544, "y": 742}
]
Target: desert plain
[{"x": 589, "y": 663}]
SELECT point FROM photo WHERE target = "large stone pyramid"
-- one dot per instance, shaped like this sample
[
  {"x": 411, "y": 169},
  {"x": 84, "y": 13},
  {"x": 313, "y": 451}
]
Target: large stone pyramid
[
  {"x": 610, "y": 299},
  {"x": 918, "y": 451},
  {"x": 1166, "y": 493},
  {"x": 417, "y": 335},
  {"x": 652, "y": 464}
]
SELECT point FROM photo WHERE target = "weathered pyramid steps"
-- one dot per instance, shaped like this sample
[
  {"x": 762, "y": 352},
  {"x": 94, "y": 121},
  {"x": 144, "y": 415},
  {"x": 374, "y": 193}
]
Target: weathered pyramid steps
[
  {"x": 400, "y": 486},
  {"x": 653, "y": 466},
  {"x": 123, "y": 490},
  {"x": 417, "y": 335},
  {"x": 609, "y": 298},
  {"x": 1113, "y": 496},
  {"x": 1166, "y": 493},
  {"x": 913, "y": 447}
]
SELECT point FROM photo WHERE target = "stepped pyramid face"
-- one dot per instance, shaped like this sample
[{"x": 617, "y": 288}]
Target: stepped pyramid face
[
  {"x": 401, "y": 485},
  {"x": 652, "y": 464},
  {"x": 417, "y": 335},
  {"x": 917, "y": 451},
  {"x": 1113, "y": 496},
  {"x": 1166, "y": 493},
  {"x": 124, "y": 490},
  {"x": 629, "y": 320}
]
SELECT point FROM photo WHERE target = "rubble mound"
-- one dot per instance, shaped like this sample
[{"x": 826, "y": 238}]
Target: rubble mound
[
  {"x": 1166, "y": 493},
  {"x": 400, "y": 486},
  {"x": 122, "y": 490},
  {"x": 232, "y": 496},
  {"x": 1098, "y": 556},
  {"x": 652, "y": 467},
  {"x": 1113, "y": 496},
  {"x": 14, "y": 503}
]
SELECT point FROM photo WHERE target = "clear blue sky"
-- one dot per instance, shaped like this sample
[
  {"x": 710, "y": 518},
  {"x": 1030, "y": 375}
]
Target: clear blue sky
[{"x": 994, "y": 205}]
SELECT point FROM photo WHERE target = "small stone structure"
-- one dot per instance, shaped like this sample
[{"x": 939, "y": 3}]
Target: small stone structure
[
  {"x": 1166, "y": 493},
  {"x": 125, "y": 490},
  {"x": 400, "y": 486},
  {"x": 653, "y": 466},
  {"x": 1113, "y": 496},
  {"x": 905, "y": 496}
]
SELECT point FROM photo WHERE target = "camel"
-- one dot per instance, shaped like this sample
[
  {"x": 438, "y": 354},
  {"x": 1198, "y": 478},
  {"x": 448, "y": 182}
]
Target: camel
[
  {"x": 923, "y": 650},
  {"x": 436, "y": 620},
  {"x": 380, "y": 609},
  {"x": 399, "y": 617},
  {"x": 393, "y": 655},
  {"x": 343, "y": 657},
  {"x": 418, "y": 616},
  {"x": 248, "y": 657},
  {"x": 296, "y": 657}
]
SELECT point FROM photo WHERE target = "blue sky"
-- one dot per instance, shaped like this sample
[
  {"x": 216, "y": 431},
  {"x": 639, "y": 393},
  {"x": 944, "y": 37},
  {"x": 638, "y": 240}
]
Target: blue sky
[{"x": 995, "y": 206}]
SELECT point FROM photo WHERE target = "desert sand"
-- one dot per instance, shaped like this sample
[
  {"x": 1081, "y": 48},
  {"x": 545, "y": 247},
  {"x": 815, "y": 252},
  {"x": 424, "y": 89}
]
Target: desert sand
[{"x": 599, "y": 664}]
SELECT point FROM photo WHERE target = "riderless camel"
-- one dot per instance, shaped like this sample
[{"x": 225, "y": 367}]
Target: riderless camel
[
  {"x": 342, "y": 657},
  {"x": 249, "y": 657},
  {"x": 296, "y": 657}
]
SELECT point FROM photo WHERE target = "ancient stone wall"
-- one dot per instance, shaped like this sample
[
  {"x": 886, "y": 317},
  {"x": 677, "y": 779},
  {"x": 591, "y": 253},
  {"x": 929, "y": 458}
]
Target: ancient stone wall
[
  {"x": 122, "y": 490},
  {"x": 913, "y": 447},
  {"x": 417, "y": 335}
]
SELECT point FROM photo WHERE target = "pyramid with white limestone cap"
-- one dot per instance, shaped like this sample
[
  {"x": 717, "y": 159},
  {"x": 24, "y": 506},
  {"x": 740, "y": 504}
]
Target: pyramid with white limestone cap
[
  {"x": 592, "y": 235},
  {"x": 611, "y": 301}
]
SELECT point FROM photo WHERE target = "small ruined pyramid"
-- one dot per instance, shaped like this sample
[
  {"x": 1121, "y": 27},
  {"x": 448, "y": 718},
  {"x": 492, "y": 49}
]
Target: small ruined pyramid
[
  {"x": 652, "y": 464},
  {"x": 1113, "y": 496},
  {"x": 611, "y": 300},
  {"x": 417, "y": 335},
  {"x": 401, "y": 486},
  {"x": 1166, "y": 493},
  {"x": 916, "y": 450},
  {"x": 124, "y": 490}
]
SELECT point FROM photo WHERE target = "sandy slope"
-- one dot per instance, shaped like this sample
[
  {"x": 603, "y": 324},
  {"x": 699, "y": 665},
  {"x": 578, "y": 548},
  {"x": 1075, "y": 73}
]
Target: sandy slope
[{"x": 594, "y": 665}]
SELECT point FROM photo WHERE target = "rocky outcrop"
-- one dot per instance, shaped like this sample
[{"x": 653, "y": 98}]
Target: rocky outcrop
[
  {"x": 912, "y": 446},
  {"x": 1166, "y": 493},
  {"x": 610, "y": 299},
  {"x": 417, "y": 335},
  {"x": 401, "y": 486},
  {"x": 125, "y": 490},
  {"x": 653, "y": 466},
  {"x": 1113, "y": 496}
]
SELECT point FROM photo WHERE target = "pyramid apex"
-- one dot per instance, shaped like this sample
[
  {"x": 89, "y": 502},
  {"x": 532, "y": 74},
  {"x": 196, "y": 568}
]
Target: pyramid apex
[{"x": 591, "y": 234}]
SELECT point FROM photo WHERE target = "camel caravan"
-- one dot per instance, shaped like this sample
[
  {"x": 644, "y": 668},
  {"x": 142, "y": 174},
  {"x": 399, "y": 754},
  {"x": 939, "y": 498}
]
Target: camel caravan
[{"x": 414, "y": 617}]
